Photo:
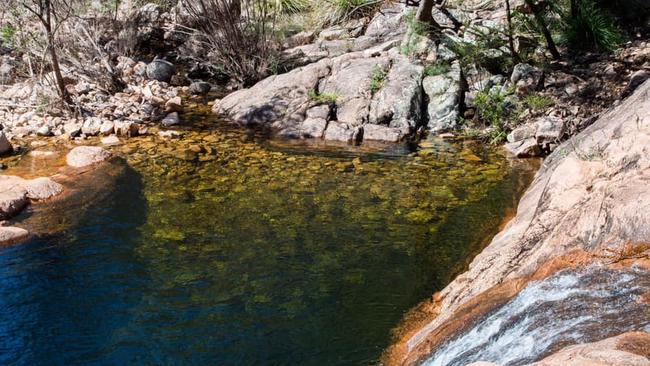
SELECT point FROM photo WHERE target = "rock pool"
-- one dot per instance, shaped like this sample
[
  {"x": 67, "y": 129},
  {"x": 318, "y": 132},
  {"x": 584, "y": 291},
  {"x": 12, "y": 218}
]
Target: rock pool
[{"x": 226, "y": 248}]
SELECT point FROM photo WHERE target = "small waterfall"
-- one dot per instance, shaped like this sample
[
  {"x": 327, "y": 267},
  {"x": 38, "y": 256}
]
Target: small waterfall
[{"x": 572, "y": 306}]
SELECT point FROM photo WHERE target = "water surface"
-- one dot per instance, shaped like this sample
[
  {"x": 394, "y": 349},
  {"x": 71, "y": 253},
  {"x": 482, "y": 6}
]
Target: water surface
[{"x": 223, "y": 248}]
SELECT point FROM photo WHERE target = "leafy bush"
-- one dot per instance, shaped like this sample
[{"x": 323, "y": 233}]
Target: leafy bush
[
  {"x": 491, "y": 108},
  {"x": 438, "y": 68},
  {"x": 538, "y": 102},
  {"x": 322, "y": 98},
  {"x": 7, "y": 33},
  {"x": 488, "y": 50},
  {"x": 592, "y": 28},
  {"x": 337, "y": 11},
  {"x": 377, "y": 79}
]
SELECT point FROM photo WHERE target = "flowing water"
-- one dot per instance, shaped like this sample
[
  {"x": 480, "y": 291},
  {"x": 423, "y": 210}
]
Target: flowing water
[
  {"x": 572, "y": 306},
  {"x": 225, "y": 248}
]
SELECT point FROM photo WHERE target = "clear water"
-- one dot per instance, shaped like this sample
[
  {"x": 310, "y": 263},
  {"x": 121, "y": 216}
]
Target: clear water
[{"x": 225, "y": 249}]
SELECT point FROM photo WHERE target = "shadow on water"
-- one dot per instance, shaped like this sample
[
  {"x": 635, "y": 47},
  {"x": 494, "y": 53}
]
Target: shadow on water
[{"x": 64, "y": 296}]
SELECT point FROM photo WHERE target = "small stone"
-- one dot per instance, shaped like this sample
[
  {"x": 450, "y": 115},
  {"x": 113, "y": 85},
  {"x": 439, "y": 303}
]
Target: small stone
[
  {"x": 42, "y": 188},
  {"x": 91, "y": 126},
  {"x": 173, "y": 105},
  {"x": 522, "y": 133},
  {"x": 170, "y": 134},
  {"x": 44, "y": 131},
  {"x": 72, "y": 129},
  {"x": 160, "y": 70},
  {"x": 170, "y": 120},
  {"x": 106, "y": 128},
  {"x": 200, "y": 88}
]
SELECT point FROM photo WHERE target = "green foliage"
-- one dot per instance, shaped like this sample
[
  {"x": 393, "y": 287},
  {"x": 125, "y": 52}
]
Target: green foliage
[
  {"x": 538, "y": 102},
  {"x": 290, "y": 6},
  {"x": 377, "y": 79},
  {"x": 491, "y": 108},
  {"x": 7, "y": 33},
  {"x": 489, "y": 50},
  {"x": 322, "y": 98},
  {"x": 337, "y": 11},
  {"x": 414, "y": 30},
  {"x": 438, "y": 68},
  {"x": 592, "y": 28}
]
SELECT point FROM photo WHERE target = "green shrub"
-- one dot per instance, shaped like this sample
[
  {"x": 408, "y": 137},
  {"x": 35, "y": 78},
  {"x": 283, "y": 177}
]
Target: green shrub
[
  {"x": 290, "y": 6},
  {"x": 322, "y": 98},
  {"x": 337, "y": 11},
  {"x": 7, "y": 33},
  {"x": 592, "y": 28},
  {"x": 377, "y": 79},
  {"x": 538, "y": 102},
  {"x": 488, "y": 50},
  {"x": 438, "y": 68},
  {"x": 491, "y": 108},
  {"x": 414, "y": 30}
]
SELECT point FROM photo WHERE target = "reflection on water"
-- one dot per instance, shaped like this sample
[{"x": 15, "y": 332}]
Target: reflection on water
[{"x": 223, "y": 248}]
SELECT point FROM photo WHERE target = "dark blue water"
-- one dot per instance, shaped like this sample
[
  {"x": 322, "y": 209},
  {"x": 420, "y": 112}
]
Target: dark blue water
[{"x": 164, "y": 271}]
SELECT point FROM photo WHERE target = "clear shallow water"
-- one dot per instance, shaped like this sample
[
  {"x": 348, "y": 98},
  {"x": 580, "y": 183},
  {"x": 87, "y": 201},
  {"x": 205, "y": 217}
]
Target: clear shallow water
[{"x": 225, "y": 249}]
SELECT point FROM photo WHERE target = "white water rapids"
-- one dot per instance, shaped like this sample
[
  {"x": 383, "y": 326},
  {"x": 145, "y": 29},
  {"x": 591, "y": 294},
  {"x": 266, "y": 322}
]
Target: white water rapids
[{"x": 568, "y": 308}]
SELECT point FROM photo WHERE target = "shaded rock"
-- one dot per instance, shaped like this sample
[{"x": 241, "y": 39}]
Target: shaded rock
[
  {"x": 170, "y": 120},
  {"x": 399, "y": 102},
  {"x": 637, "y": 78},
  {"x": 524, "y": 149},
  {"x": 42, "y": 188},
  {"x": 445, "y": 96},
  {"x": 179, "y": 80},
  {"x": 5, "y": 145},
  {"x": 527, "y": 77},
  {"x": 337, "y": 131},
  {"x": 126, "y": 128},
  {"x": 381, "y": 133},
  {"x": 82, "y": 156},
  {"x": 160, "y": 70},
  {"x": 313, "y": 127},
  {"x": 200, "y": 88},
  {"x": 12, "y": 235}
]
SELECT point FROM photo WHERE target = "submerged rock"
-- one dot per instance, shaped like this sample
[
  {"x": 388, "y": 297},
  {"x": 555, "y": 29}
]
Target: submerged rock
[
  {"x": 12, "y": 234},
  {"x": 83, "y": 156}
]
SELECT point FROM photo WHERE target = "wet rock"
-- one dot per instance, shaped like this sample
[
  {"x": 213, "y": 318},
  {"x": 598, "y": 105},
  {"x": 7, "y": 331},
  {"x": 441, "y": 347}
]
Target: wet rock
[
  {"x": 44, "y": 131},
  {"x": 83, "y": 156},
  {"x": 524, "y": 149},
  {"x": 200, "y": 88},
  {"x": 445, "y": 94},
  {"x": 160, "y": 70},
  {"x": 170, "y": 134},
  {"x": 337, "y": 131},
  {"x": 170, "y": 120},
  {"x": 42, "y": 188},
  {"x": 110, "y": 140},
  {"x": 12, "y": 235},
  {"x": 5, "y": 145},
  {"x": 381, "y": 133},
  {"x": 13, "y": 196}
]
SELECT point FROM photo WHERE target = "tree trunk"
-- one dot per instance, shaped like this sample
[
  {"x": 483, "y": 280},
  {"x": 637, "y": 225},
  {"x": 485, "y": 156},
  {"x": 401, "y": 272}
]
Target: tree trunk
[
  {"x": 511, "y": 42},
  {"x": 425, "y": 13},
  {"x": 63, "y": 93},
  {"x": 541, "y": 23}
]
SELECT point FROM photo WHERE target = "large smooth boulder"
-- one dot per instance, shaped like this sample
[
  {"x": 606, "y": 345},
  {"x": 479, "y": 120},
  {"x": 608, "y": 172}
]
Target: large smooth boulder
[
  {"x": 445, "y": 94},
  {"x": 161, "y": 70},
  {"x": 83, "y": 156},
  {"x": 398, "y": 103},
  {"x": 278, "y": 98}
]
